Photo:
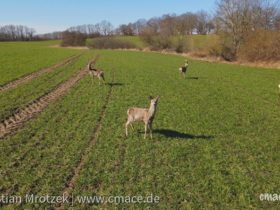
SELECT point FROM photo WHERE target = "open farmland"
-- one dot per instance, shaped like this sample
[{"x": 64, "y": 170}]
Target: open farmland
[
  {"x": 215, "y": 145},
  {"x": 22, "y": 58}
]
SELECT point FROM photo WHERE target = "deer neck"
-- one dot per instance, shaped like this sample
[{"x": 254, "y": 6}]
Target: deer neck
[
  {"x": 89, "y": 66},
  {"x": 152, "y": 109}
]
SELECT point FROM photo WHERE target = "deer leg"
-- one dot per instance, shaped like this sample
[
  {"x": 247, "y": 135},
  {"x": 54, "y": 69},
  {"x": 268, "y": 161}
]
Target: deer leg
[
  {"x": 129, "y": 121},
  {"x": 131, "y": 126},
  {"x": 126, "y": 131},
  {"x": 145, "y": 130},
  {"x": 103, "y": 79},
  {"x": 151, "y": 130}
]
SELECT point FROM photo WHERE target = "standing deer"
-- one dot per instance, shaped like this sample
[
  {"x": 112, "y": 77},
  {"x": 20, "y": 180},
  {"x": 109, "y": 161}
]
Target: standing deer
[
  {"x": 96, "y": 73},
  {"x": 183, "y": 69},
  {"x": 141, "y": 114}
]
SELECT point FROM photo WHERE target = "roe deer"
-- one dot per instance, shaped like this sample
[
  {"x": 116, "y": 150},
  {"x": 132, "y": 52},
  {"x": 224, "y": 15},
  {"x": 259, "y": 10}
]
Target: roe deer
[
  {"x": 183, "y": 69},
  {"x": 141, "y": 114},
  {"x": 96, "y": 73}
]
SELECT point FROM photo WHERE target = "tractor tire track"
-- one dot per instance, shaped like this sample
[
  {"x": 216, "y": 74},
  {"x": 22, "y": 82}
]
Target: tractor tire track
[
  {"x": 16, "y": 121},
  {"x": 33, "y": 75},
  {"x": 40, "y": 85},
  {"x": 70, "y": 183}
]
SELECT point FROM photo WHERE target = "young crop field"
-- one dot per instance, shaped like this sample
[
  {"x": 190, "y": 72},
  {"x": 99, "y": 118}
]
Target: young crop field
[
  {"x": 215, "y": 136},
  {"x": 22, "y": 58}
]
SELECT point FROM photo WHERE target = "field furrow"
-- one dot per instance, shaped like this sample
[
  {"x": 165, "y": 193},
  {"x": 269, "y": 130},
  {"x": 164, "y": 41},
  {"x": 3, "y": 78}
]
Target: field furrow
[
  {"x": 33, "y": 75},
  {"x": 14, "y": 122},
  {"x": 72, "y": 180},
  {"x": 24, "y": 94},
  {"x": 20, "y": 59}
]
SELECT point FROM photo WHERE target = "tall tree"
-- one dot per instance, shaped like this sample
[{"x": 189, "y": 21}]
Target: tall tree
[
  {"x": 106, "y": 27},
  {"x": 237, "y": 18},
  {"x": 203, "y": 23}
]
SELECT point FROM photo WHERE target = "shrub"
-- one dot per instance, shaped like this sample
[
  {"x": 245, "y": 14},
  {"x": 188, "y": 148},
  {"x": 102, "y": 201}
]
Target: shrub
[
  {"x": 157, "y": 42},
  {"x": 179, "y": 46},
  {"x": 110, "y": 43},
  {"x": 228, "y": 53},
  {"x": 261, "y": 46},
  {"x": 73, "y": 39},
  {"x": 214, "y": 47},
  {"x": 221, "y": 46}
]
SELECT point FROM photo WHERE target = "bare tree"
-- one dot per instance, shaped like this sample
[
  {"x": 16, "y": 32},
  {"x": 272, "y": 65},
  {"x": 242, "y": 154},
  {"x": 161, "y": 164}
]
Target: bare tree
[
  {"x": 186, "y": 23},
  {"x": 89, "y": 30},
  {"x": 153, "y": 26},
  {"x": 16, "y": 33},
  {"x": 138, "y": 25},
  {"x": 168, "y": 25},
  {"x": 126, "y": 30},
  {"x": 106, "y": 28},
  {"x": 264, "y": 14},
  {"x": 237, "y": 18},
  {"x": 203, "y": 22},
  {"x": 277, "y": 22},
  {"x": 234, "y": 17}
]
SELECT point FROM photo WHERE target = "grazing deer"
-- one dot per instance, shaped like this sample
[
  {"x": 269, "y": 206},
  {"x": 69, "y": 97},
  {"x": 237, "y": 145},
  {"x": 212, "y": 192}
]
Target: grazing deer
[
  {"x": 141, "y": 114},
  {"x": 96, "y": 73},
  {"x": 183, "y": 69}
]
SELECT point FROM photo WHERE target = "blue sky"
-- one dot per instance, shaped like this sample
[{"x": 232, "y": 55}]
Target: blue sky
[{"x": 57, "y": 15}]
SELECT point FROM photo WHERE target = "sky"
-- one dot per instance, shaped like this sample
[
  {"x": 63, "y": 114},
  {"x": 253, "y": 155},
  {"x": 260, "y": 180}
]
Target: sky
[{"x": 47, "y": 16}]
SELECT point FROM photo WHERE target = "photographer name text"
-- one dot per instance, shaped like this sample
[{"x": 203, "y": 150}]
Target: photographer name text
[{"x": 71, "y": 200}]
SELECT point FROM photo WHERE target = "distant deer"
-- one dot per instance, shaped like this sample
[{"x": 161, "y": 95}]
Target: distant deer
[
  {"x": 183, "y": 69},
  {"x": 141, "y": 114},
  {"x": 96, "y": 73}
]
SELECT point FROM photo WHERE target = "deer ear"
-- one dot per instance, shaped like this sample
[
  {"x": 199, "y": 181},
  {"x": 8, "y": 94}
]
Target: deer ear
[
  {"x": 157, "y": 97},
  {"x": 150, "y": 97}
]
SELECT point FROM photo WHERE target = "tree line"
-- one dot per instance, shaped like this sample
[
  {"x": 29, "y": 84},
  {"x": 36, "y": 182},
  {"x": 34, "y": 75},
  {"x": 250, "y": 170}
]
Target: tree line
[
  {"x": 233, "y": 16},
  {"x": 171, "y": 24},
  {"x": 247, "y": 25},
  {"x": 242, "y": 27},
  {"x": 16, "y": 33}
]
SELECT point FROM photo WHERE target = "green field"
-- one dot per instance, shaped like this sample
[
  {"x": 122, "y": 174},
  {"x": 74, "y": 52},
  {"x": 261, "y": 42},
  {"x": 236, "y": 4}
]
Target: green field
[
  {"x": 22, "y": 58},
  {"x": 21, "y": 95},
  {"x": 215, "y": 141}
]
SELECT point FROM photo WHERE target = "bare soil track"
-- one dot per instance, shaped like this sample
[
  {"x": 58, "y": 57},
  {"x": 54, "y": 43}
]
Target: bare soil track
[
  {"x": 33, "y": 75},
  {"x": 17, "y": 120}
]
